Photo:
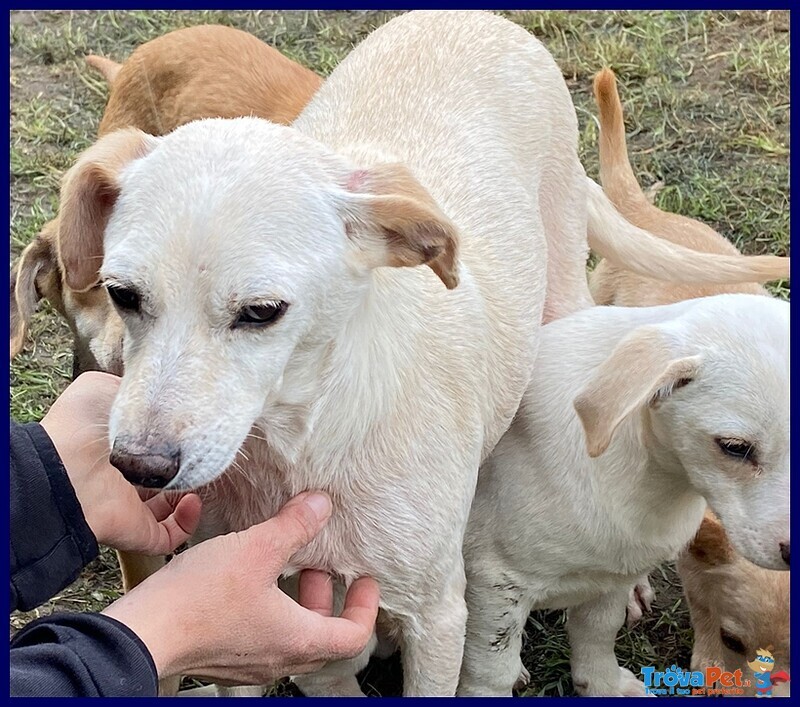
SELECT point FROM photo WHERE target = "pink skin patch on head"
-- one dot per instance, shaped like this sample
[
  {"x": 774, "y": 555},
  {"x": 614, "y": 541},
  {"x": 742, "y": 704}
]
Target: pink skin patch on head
[{"x": 357, "y": 180}]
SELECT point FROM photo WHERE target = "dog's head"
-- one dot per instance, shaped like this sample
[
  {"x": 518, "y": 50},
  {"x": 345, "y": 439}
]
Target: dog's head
[
  {"x": 712, "y": 389},
  {"x": 235, "y": 252},
  {"x": 96, "y": 327},
  {"x": 737, "y": 607}
]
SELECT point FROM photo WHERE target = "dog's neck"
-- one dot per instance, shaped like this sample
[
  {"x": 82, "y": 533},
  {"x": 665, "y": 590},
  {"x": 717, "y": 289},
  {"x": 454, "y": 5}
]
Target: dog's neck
[
  {"x": 334, "y": 393},
  {"x": 667, "y": 509}
]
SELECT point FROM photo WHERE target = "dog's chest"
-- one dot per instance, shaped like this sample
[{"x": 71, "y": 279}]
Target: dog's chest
[{"x": 365, "y": 535}]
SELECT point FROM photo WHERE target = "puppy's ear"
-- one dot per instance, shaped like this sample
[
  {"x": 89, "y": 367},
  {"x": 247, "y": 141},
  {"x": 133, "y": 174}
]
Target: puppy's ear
[
  {"x": 88, "y": 194},
  {"x": 640, "y": 371},
  {"x": 37, "y": 265},
  {"x": 710, "y": 546},
  {"x": 105, "y": 66},
  {"x": 395, "y": 222}
]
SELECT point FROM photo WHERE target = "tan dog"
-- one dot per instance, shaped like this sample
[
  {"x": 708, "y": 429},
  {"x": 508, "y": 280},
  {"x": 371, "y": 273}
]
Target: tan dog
[
  {"x": 207, "y": 71},
  {"x": 611, "y": 284},
  {"x": 735, "y": 606}
]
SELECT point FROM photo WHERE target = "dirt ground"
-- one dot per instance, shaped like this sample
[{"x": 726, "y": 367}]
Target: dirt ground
[{"x": 706, "y": 96}]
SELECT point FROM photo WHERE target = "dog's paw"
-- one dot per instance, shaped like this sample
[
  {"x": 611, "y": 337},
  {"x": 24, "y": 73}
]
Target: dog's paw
[
  {"x": 640, "y": 601},
  {"x": 523, "y": 679},
  {"x": 625, "y": 685},
  {"x": 630, "y": 685}
]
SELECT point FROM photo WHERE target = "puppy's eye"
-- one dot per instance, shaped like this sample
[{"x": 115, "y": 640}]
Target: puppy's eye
[
  {"x": 258, "y": 315},
  {"x": 737, "y": 449},
  {"x": 731, "y": 642},
  {"x": 124, "y": 297}
]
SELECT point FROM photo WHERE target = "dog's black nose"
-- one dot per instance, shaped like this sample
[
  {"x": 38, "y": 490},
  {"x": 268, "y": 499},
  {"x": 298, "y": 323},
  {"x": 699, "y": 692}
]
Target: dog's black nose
[
  {"x": 152, "y": 468},
  {"x": 785, "y": 552}
]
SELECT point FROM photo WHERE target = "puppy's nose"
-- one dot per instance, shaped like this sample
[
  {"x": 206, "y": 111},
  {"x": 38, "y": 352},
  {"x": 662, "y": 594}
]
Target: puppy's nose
[
  {"x": 785, "y": 552},
  {"x": 151, "y": 468}
]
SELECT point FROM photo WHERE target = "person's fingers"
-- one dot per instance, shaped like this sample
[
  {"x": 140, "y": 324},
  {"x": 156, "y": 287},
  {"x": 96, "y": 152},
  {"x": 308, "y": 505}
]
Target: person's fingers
[
  {"x": 175, "y": 529},
  {"x": 146, "y": 494},
  {"x": 361, "y": 602},
  {"x": 187, "y": 514},
  {"x": 316, "y": 592},
  {"x": 161, "y": 504},
  {"x": 347, "y": 635},
  {"x": 295, "y": 525}
]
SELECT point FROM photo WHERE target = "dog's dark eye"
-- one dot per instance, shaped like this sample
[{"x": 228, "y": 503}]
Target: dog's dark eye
[
  {"x": 124, "y": 297},
  {"x": 737, "y": 448},
  {"x": 261, "y": 314},
  {"x": 731, "y": 642}
]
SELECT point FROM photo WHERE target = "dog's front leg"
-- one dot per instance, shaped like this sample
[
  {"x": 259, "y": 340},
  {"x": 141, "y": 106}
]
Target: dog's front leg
[
  {"x": 433, "y": 643},
  {"x": 592, "y": 629}
]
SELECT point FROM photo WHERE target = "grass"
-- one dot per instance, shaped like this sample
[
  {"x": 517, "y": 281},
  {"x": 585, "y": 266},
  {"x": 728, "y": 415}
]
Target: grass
[{"x": 706, "y": 96}]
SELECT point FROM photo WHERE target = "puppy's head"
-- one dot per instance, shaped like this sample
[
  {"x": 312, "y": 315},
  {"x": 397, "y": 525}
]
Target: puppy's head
[
  {"x": 737, "y": 608},
  {"x": 711, "y": 392},
  {"x": 235, "y": 252},
  {"x": 96, "y": 327}
]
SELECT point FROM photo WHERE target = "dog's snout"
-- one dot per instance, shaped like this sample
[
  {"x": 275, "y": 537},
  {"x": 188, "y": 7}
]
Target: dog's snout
[
  {"x": 151, "y": 468},
  {"x": 785, "y": 552}
]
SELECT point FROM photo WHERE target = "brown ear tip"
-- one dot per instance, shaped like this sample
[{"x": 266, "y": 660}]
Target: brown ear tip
[
  {"x": 595, "y": 449},
  {"x": 710, "y": 545}
]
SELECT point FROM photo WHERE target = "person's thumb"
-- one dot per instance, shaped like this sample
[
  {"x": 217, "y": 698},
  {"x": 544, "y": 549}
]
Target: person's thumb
[{"x": 295, "y": 525}]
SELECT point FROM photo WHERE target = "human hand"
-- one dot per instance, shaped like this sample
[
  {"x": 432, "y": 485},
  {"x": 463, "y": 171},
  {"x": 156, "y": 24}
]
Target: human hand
[
  {"x": 77, "y": 423},
  {"x": 215, "y": 611}
]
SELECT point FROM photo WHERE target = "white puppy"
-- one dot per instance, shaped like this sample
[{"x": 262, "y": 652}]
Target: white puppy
[{"x": 635, "y": 418}]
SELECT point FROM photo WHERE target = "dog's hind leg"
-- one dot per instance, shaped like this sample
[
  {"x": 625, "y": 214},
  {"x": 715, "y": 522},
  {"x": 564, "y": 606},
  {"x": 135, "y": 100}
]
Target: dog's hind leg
[
  {"x": 592, "y": 629},
  {"x": 639, "y": 601},
  {"x": 337, "y": 679},
  {"x": 432, "y": 643},
  {"x": 497, "y": 615}
]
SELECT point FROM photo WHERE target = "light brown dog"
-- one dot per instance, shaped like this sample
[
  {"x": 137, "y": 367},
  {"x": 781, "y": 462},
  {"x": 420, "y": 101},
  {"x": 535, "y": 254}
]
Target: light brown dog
[
  {"x": 209, "y": 71},
  {"x": 735, "y": 606},
  {"x": 611, "y": 284}
]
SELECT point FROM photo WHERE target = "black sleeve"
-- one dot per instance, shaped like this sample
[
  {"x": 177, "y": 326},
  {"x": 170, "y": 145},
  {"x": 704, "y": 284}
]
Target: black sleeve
[
  {"x": 65, "y": 654},
  {"x": 50, "y": 540},
  {"x": 80, "y": 655}
]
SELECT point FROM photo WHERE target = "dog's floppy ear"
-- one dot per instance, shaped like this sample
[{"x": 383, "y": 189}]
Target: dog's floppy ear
[
  {"x": 88, "y": 194},
  {"x": 640, "y": 371},
  {"x": 711, "y": 546},
  {"x": 395, "y": 222},
  {"x": 37, "y": 262}
]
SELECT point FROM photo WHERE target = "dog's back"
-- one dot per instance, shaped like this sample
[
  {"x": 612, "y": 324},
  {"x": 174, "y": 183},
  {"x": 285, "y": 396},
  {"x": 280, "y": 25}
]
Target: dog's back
[
  {"x": 208, "y": 71},
  {"x": 499, "y": 138},
  {"x": 613, "y": 285}
]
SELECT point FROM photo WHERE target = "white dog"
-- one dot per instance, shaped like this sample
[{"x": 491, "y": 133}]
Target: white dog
[
  {"x": 276, "y": 326},
  {"x": 635, "y": 418}
]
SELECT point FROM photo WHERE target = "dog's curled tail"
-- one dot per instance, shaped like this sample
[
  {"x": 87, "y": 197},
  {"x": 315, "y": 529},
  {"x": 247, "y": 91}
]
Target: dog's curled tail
[
  {"x": 632, "y": 248},
  {"x": 105, "y": 66},
  {"x": 616, "y": 173}
]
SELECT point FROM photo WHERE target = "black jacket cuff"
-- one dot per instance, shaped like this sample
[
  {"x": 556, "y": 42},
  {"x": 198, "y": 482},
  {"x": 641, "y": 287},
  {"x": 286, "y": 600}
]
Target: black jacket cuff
[{"x": 50, "y": 539}]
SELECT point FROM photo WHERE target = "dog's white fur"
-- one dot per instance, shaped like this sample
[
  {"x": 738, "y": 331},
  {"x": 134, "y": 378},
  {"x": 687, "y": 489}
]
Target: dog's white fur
[
  {"x": 608, "y": 466},
  {"x": 378, "y": 385}
]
